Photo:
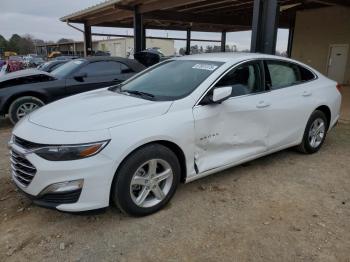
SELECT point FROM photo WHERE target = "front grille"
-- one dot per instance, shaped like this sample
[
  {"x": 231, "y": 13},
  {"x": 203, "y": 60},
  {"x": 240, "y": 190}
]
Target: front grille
[{"x": 22, "y": 169}]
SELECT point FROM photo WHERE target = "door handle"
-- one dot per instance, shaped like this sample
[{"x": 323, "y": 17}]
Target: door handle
[
  {"x": 262, "y": 104},
  {"x": 307, "y": 93}
]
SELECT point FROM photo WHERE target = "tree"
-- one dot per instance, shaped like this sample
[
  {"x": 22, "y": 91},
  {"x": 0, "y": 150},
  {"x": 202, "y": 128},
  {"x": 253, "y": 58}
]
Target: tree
[
  {"x": 182, "y": 51},
  {"x": 13, "y": 44},
  {"x": 26, "y": 45},
  {"x": 209, "y": 49},
  {"x": 194, "y": 49},
  {"x": 3, "y": 44}
]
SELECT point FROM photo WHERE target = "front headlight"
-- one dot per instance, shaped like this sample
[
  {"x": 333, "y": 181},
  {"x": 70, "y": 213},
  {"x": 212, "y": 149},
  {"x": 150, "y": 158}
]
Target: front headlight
[{"x": 70, "y": 152}]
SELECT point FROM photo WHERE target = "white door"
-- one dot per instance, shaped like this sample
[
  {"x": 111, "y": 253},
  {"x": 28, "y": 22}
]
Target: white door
[
  {"x": 338, "y": 55},
  {"x": 236, "y": 129},
  {"x": 291, "y": 99}
]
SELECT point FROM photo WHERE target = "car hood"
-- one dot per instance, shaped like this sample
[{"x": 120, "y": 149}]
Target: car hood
[
  {"x": 96, "y": 110},
  {"x": 22, "y": 73}
]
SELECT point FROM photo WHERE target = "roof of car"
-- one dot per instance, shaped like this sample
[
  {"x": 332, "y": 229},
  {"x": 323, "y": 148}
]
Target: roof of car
[
  {"x": 227, "y": 56},
  {"x": 130, "y": 62}
]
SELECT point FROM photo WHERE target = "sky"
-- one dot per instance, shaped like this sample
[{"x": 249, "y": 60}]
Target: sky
[{"x": 40, "y": 18}]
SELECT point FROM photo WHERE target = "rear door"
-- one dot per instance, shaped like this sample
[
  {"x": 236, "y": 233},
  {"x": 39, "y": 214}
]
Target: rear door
[
  {"x": 291, "y": 96},
  {"x": 238, "y": 128}
]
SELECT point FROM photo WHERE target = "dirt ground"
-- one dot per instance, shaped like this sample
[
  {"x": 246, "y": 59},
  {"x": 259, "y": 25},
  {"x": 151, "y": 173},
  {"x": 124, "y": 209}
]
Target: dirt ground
[{"x": 283, "y": 207}]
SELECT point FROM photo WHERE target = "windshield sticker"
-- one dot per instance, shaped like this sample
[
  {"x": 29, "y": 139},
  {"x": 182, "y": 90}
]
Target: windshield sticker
[
  {"x": 78, "y": 62},
  {"x": 205, "y": 67}
]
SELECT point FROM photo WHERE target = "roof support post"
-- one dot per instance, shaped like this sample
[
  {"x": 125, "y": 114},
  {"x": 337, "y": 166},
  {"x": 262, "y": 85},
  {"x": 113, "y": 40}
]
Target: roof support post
[
  {"x": 264, "y": 26},
  {"x": 291, "y": 35},
  {"x": 223, "y": 41},
  {"x": 139, "y": 37},
  {"x": 87, "y": 40},
  {"x": 143, "y": 37},
  {"x": 188, "y": 41}
]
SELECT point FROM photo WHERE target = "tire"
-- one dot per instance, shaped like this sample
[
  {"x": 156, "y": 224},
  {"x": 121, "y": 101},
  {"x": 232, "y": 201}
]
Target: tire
[
  {"x": 129, "y": 182},
  {"x": 307, "y": 146},
  {"x": 19, "y": 105}
]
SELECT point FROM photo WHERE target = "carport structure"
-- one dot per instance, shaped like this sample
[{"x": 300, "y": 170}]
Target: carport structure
[{"x": 263, "y": 17}]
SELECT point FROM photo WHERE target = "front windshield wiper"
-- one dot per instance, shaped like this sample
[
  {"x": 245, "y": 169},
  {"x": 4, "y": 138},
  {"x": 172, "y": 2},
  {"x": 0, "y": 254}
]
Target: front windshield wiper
[
  {"x": 138, "y": 93},
  {"x": 118, "y": 88}
]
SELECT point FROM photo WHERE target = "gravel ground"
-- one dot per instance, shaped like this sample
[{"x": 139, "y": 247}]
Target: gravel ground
[{"x": 283, "y": 207}]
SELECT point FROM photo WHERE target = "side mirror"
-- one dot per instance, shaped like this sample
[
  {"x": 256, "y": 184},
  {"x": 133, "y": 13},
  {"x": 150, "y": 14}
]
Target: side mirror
[
  {"x": 220, "y": 94},
  {"x": 80, "y": 76}
]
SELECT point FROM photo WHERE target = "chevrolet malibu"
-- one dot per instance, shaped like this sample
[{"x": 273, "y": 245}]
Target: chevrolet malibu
[{"x": 180, "y": 120}]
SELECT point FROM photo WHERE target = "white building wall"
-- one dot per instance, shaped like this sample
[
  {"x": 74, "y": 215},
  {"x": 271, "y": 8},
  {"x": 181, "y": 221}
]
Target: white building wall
[{"x": 123, "y": 46}]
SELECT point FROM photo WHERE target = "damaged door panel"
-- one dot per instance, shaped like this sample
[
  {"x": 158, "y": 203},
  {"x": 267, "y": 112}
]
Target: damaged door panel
[
  {"x": 229, "y": 132},
  {"x": 237, "y": 128}
]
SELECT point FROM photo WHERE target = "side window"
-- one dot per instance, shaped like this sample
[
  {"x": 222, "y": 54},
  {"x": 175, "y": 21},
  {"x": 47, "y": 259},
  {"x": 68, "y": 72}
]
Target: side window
[
  {"x": 125, "y": 69},
  {"x": 282, "y": 74},
  {"x": 102, "y": 68},
  {"x": 54, "y": 67},
  {"x": 244, "y": 79},
  {"x": 305, "y": 74}
]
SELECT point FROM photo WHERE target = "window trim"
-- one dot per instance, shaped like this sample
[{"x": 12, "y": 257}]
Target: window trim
[
  {"x": 259, "y": 61},
  {"x": 267, "y": 71},
  {"x": 103, "y": 61}
]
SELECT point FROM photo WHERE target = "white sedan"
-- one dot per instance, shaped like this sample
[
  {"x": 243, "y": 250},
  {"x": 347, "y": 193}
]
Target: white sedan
[{"x": 177, "y": 121}]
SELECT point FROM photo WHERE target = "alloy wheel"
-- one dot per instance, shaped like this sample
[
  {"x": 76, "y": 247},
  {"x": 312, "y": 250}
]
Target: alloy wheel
[
  {"x": 151, "y": 183},
  {"x": 25, "y": 109},
  {"x": 317, "y": 132}
]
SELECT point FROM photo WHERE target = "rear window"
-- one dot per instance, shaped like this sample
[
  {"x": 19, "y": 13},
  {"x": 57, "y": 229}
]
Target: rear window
[{"x": 283, "y": 74}]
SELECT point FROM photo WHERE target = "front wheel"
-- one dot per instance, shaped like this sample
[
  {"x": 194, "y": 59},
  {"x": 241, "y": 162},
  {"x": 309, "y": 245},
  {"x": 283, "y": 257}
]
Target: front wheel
[
  {"x": 23, "y": 106},
  {"x": 315, "y": 133},
  {"x": 146, "y": 181}
]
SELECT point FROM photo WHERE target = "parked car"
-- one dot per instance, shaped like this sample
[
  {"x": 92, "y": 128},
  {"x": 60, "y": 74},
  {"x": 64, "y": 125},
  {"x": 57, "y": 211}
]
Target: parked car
[
  {"x": 15, "y": 63},
  {"x": 180, "y": 120},
  {"x": 51, "y": 65},
  {"x": 65, "y": 57},
  {"x": 23, "y": 92},
  {"x": 101, "y": 53}
]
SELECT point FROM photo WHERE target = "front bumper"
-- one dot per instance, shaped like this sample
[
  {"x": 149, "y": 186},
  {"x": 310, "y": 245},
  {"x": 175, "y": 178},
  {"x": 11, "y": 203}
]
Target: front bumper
[
  {"x": 97, "y": 172},
  {"x": 53, "y": 200}
]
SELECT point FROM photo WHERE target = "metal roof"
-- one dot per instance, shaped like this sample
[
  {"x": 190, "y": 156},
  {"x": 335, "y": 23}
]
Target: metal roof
[{"x": 200, "y": 15}]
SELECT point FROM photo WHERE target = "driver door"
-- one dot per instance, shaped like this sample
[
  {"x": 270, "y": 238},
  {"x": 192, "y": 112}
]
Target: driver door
[
  {"x": 237, "y": 128},
  {"x": 94, "y": 75}
]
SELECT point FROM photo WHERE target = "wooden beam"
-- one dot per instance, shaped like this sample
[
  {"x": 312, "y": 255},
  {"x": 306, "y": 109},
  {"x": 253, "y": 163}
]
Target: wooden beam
[
  {"x": 116, "y": 16},
  {"x": 229, "y": 7},
  {"x": 202, "y": 5},
  {"x": 199, "y": 18},
  {"x": 332, "y": 2},
  {"x": 164, "y": 4},
  {"x": 180, "y": 27}
]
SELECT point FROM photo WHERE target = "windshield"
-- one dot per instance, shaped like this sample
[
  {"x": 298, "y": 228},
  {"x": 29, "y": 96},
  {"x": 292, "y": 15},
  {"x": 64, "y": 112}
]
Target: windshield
[
  {"x": 67, "y": 68},
  {"x": 171, "y": 79}
]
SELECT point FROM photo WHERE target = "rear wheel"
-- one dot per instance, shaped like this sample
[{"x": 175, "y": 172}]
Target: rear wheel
[
  {"x": 146, "y": 181},
  {"x": 23, "y": 106},
  {"x": 315, "y": 133}
]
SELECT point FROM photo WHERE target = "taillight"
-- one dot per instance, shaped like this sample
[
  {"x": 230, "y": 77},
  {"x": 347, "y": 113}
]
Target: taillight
[{"x": 338, "y": 87}]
